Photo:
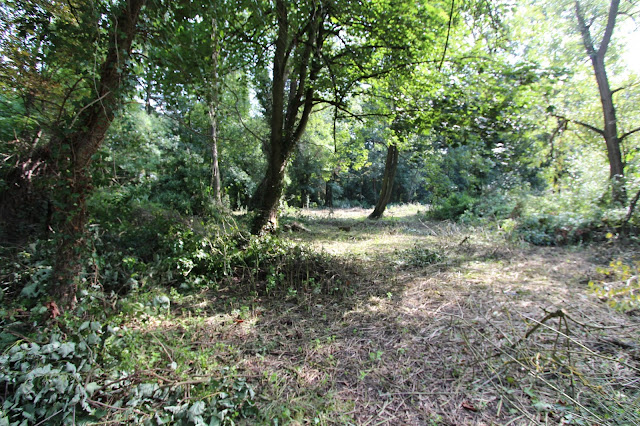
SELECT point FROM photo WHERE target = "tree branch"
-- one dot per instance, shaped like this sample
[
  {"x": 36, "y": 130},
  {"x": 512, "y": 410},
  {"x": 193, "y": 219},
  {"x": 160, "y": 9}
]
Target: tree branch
[
  {"x": 632, "y": 207},
  {"x": 629, "y": 133},
  {"x": 635, "y": 83},
  {"x": 583, "y": 124},
  {"x": 587, "y": 41},
  {"x": 611, "y": 22},
  {"x": 446, "y": 43}
]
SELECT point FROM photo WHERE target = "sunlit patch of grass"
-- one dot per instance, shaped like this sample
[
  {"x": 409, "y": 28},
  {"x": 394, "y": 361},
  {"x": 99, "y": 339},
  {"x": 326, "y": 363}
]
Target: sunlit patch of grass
[{"x": 404, "y": 344}]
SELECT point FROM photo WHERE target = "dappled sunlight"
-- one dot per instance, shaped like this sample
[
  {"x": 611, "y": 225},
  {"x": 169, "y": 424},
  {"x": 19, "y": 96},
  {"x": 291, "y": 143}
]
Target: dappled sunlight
[{"x": 422, "y": 332}]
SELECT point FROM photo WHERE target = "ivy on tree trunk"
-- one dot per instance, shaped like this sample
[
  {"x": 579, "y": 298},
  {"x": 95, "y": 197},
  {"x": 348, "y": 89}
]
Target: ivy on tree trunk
[{"x": 73, "y": 152}]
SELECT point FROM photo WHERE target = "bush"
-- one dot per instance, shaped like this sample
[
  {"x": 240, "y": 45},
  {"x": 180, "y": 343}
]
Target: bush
[
  {"x": 285, "y": 269},
  {"x": 556, "y": 229},
  {"x": 451, "y": 207}
]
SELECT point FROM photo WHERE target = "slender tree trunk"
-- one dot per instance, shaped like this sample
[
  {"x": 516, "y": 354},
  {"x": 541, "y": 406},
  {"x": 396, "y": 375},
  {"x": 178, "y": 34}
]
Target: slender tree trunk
[
  {"x": 213, "y": 112},
  {"x": 73, "y": 153},
  {"x": 328, "y": 194},
  {"x": 610, "y": 130},
  {"x": 390, "y": 167},
  {"x": 215, "y": 169},
  {"x": 147, "y": 100}
]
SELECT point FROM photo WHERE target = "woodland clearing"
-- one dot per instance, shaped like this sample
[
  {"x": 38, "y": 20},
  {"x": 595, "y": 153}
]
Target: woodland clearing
[{"x": 430, "y": 323}]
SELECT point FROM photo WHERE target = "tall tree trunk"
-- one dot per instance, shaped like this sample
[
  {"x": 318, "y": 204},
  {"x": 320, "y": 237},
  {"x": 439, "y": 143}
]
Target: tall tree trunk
[
  {"x": 74, "y": 152},
  {"x": 390, "y": 167},
  {"x": 213, "y": 112},
  {"x": 215, "y": 168},
  {"x": 271, "y": 186},
  {"x": 289, "y": 114},
  {"x": 610, "y": 131}
]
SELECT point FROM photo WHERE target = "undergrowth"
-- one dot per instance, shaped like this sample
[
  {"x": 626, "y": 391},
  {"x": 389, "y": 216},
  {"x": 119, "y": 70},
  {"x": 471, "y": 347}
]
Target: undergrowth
[
  {"x": 545, "y": 219},
  {"x": 110, "y": 360},
  {"x": 619, "y": 286},
  {"x": 77, "y": 371}
]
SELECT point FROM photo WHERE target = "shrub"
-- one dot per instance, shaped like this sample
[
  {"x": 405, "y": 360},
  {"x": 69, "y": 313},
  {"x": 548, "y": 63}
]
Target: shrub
[
  {"x": 451, "y": 207},
  {"x": 556, "y": 229}
]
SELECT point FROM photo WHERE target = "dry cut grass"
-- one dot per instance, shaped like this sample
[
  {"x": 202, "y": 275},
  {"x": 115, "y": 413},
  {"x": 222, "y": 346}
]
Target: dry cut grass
[{"x": 439, "y": 324}]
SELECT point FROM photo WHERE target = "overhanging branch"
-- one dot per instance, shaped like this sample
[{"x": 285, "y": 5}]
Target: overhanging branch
[
  {"x": 581, "y": 123},
  {"x": 629, "y": 133}
]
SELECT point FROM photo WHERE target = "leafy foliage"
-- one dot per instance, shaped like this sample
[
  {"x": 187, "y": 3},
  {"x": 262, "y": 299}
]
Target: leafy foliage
[
  {"x": 70, "y": 377},
  {"x": 621, "y": 289}
]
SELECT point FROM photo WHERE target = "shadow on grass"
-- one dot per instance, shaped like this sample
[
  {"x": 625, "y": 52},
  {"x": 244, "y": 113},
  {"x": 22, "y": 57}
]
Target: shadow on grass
[{"x": 396, "y": 343}]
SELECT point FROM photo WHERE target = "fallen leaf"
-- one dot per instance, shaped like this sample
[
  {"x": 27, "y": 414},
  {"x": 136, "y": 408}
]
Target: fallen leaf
[
  {"x": 468, "y": 406},
  {"x": 238, "y": 320},
  {"x": 53, "y": 309}
]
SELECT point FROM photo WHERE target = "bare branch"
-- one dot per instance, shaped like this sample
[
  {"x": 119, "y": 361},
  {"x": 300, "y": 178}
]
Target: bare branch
[
  {"x": 632, "y": 207},
  {"x": 629, "y": 133},
  {"x": 628, "y": 86},
  {"x": 446, "y": 43},
  {"x": 611, "y": 22},
  {"x": 583, "y": 124}
]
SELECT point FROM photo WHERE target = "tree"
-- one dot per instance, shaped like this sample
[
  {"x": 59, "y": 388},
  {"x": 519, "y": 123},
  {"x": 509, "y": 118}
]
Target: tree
[
  {"x": 323, "y": 52},
  {"x": 391, "y": 165},
  {"x": 81, "y": 115},
  {"x": 575, "y": 29},
  {"x": 609, "y": 130},
  {"x": 410, "y": 103},
  {"x": 196, "y": 50}
]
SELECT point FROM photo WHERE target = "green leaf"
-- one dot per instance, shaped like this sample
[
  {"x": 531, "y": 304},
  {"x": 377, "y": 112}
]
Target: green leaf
[
  {"x": 67, "y": 349},
  {"x": 92, "y": 387}
]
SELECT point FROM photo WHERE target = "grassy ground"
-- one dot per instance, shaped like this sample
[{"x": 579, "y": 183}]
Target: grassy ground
[{"x": 429, "y": 323}]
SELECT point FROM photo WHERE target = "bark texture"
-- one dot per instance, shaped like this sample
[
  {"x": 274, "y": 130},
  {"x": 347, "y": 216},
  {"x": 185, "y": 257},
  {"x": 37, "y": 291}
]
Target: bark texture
[
  {"x": 390, "y": 168},
  {"x": 610, "y": 129},
  {"x": 295, "y": 67},
  {"x": 74, "y": 152}
]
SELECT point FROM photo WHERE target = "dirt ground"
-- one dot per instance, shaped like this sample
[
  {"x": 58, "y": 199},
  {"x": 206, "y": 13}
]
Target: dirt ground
[{"x": 438, "y": 323}]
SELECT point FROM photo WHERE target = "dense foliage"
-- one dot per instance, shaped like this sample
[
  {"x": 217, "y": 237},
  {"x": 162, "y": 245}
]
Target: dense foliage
[{"x": 141, "y": 140}]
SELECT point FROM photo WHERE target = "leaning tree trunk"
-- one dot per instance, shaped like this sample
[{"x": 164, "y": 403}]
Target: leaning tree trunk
[
  {"x": 74, "y": 152},
  {"x": 390, "y": 167},
  {"x": 610, "y": 131}
]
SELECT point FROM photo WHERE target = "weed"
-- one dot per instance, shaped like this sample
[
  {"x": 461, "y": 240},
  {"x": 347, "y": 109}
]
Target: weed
[
  {"x": 376, "y": 356},
  {"x": 417, "y": 256},
  {"x": 621, "y": 291}
]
